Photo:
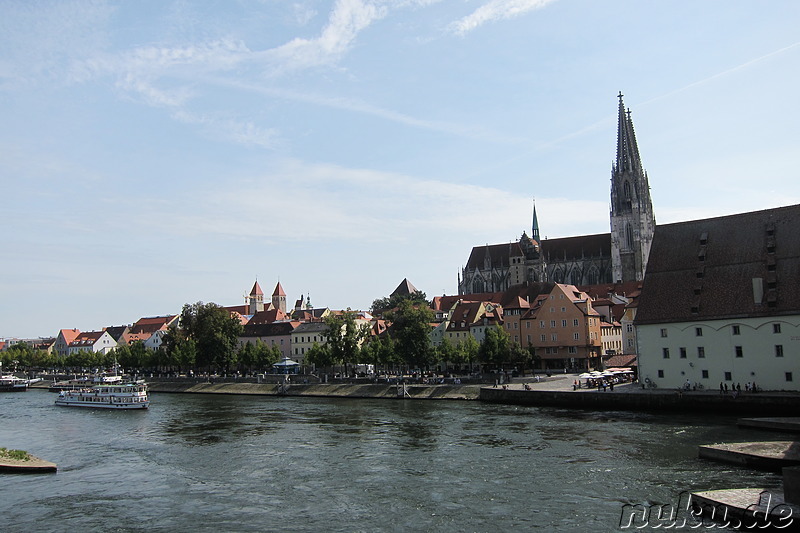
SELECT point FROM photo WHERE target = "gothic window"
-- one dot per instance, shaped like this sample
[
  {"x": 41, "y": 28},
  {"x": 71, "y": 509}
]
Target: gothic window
[
  {"x": 477, "y": 286},
  {"x": 629, "y": 236},
  {"x": 594, "y": 277},
  {"x": 626, "y": 187}
]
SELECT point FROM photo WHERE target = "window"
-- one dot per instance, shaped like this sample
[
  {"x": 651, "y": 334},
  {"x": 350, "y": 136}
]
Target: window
[
  {"x": 683, "y": 353},
  {"x": 735, "y": 330},
  {"x": 728, "y": 376},
  {"x": 779, "y": 350},
  {"x": 663, "y": 332},
  {"x": 554, "y": 337},
  {"x": 701, "y": 352},
  {"x": 529, "y": 339},
  {"x": 630, "y": 328},
  {"x": 527, "y": 324},
  {"x": 665, "y": 352},
  {"x": 739, "y": 352},
  {"x": 544, "y": 338},
  {"x": 515, "y": 325},
  {"x": 573, "y": 350},
  {"x": 788, "y": 376},
  {"x": 575, "y": 322},
  {"x": 541, "y": 324},
  {"x": 698, "y": 332},
  {"x": 661, "y": 373},
  {"x": 563, "y": 309},
  {"x": 776, "y": 328},
  {"x": 576, "y": 336},
  {"x": 630, "y": 343},
  {"x": 705, "y": 374},
  {"x": 563, "y": 323},
  {"x": 552, "y": 323}
]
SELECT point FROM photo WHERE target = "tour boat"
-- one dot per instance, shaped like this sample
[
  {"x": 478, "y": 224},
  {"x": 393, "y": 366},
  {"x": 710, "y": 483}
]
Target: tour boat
[
  {"x": 11, "y": 383},
  {"x": 105, "y": 396}
]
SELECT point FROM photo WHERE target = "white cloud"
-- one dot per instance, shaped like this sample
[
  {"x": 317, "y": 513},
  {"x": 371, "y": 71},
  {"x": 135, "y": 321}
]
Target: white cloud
[
  {"x": 347, "y": 19},
  {"x": 494, "y": 11}
]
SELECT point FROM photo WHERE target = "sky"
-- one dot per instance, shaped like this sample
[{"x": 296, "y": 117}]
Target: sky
[{"x": 158, "y": 153}]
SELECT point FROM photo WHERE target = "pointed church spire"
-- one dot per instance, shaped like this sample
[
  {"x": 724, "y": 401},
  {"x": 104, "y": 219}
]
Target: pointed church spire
[
  {"x": 535, "y": 226},
  {"x": 632, "y": 217}
]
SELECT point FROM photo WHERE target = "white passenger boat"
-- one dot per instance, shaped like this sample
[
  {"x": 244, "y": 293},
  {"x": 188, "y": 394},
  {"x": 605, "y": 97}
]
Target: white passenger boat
[
  {"x": 107, "y": 396},
  {"x": 11, "y": 383}
]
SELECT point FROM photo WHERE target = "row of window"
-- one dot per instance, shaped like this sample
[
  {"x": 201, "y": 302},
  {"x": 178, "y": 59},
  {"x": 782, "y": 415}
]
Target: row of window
[
  {"x": 735, "y": 330},
  {"x": 701, "y": 351},
  {"x": 728, "y": 375},
  {"x": 554, "y": 351}
]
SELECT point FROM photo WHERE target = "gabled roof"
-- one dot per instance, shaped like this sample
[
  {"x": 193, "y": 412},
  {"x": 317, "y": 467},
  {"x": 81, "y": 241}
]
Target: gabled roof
[
  {"x": 87, "y": 338},
  {"x": 497, "y": 255},
  {"x": 267, "y": 316},
  {"x": 566, "y": 248},
  {"x": 744, "y": 265},
  {"x": 152, "y": 324},
  {"x": 69, "y": 334},
  {"x": 117, "y": 332},
  {"x": 274, "y": 329}
]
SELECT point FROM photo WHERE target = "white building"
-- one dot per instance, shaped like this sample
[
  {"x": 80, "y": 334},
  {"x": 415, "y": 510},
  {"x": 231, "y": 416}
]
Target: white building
[{"x": 720, "y": 302}]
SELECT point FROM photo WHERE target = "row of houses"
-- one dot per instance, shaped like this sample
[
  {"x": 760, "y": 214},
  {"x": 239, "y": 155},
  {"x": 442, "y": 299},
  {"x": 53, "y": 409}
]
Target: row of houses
[{"x": 719, "y": 304}]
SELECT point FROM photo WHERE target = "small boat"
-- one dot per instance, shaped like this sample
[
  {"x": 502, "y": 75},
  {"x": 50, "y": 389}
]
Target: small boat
[
  {"x": 107, "y": 396},
  {"x": 11, "y": 383}
]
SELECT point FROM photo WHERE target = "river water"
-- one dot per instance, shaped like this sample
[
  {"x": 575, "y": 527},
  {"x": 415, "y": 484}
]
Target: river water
[{"x": 240, "y": 463}]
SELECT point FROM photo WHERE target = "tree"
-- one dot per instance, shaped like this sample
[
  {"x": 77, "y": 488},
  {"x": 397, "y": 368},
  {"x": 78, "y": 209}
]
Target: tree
[
  {"x": 388, "y": 303},
  {"x": 214, "y": 331},
  {"x": 468, "y": 350},
  {"x": 411, "y": 332},
  {"x": 495, "y": 347},
  {"x": 344, "y": 337},
  {"x": 320, "y": 356}
]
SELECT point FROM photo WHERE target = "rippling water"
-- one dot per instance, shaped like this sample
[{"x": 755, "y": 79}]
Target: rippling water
[{"x": 236, "y": 463}]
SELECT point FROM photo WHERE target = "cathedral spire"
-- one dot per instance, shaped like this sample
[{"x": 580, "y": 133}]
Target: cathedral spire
[
  {"x": 632, "y": 217},
  {"x": 535, "y": 226},
  {"x": 628, "y": 159}
]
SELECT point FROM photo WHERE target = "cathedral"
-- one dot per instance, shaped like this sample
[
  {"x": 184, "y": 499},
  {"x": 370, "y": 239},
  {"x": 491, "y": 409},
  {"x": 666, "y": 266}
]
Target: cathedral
[{"x": 618, "y": 256}]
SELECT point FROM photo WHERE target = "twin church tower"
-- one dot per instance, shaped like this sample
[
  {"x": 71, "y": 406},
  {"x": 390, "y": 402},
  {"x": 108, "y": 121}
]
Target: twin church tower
[{"x": 618, "y": 256}]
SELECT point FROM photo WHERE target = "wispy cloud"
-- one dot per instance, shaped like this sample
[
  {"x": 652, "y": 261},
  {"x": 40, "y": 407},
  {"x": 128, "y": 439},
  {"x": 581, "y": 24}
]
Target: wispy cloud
[
  {"x": 347, "y": 19},
  {"x": 494, "y": 11}
]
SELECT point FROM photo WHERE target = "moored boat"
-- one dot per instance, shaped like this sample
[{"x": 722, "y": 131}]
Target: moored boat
[
  {"x": 11, "y": 383},
  {"x": 107, "y": 396}
]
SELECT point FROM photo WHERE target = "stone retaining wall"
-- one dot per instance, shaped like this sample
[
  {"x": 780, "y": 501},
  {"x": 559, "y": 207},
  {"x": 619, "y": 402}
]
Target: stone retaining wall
[{"x": 764, "y": 404}]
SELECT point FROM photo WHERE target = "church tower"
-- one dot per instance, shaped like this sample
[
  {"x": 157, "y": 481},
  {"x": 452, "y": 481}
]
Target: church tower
[
  {"x": 279, "y": 298},
  {"x": 632, "y": 219},
  {"x": 255, "y": 300}
]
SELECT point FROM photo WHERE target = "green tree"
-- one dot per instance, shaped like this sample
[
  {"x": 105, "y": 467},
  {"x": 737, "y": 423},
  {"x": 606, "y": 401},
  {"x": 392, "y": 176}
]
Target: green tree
[
  {"x": 495, "y": 348},
  {"x": 411, "y": 333},
  {"x": 320, "y": 356},
  {"x": 382, "y": 305},
  {"x": 345, "y": 336},
  {"x": 215, "y": 333}
]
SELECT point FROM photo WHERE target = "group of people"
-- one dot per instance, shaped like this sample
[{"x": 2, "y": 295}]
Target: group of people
[{"x": 737, "y": 389}]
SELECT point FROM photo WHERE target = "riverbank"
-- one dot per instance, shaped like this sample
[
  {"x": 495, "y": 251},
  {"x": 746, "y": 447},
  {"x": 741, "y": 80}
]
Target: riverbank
[
  {"x": 334, "y": 390},
  {"x": 554, "y": 391},
  {"x": 632, "y": 397}
]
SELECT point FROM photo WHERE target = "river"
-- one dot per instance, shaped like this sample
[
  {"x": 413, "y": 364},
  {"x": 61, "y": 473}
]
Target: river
[{"x": 241, "y": 463}]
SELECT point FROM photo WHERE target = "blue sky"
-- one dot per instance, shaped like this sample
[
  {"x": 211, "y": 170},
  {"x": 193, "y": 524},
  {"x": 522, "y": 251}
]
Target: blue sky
[{"x": 156, "y": 153}]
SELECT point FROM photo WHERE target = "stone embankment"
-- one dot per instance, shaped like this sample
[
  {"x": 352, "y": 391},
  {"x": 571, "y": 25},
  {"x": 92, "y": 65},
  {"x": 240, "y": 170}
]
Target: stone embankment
[
  {"x": 633, "y": 397},
  {"x": 334, "y": 390}
]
